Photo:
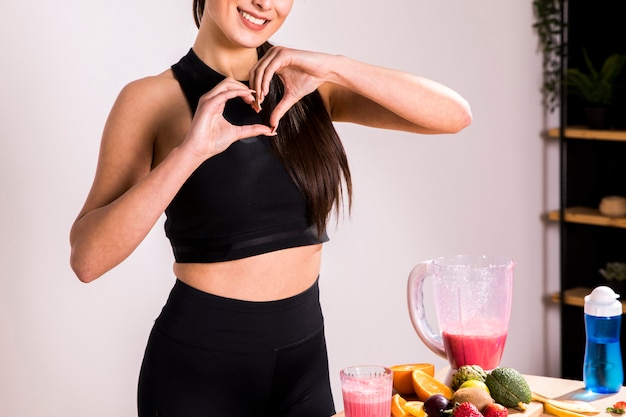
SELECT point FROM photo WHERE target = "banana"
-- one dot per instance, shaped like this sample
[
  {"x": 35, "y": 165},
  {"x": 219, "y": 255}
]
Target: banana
[
  {"x": 577, "y": 407},
  {"x": 560, "y": 412}
]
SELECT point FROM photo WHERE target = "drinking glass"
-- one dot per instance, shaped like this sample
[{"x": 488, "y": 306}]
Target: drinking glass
[{"x": 366, "y": 391}]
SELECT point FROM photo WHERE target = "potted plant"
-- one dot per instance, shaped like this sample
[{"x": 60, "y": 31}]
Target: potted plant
[
  {"x": 549, "y": 25},
  {"x": 615, "y": 275},
  {"x": 596, "y": 87}
]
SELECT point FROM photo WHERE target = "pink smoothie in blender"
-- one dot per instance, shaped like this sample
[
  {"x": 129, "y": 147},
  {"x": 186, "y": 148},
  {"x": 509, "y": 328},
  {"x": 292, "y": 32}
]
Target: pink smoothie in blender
[
  {"x": 472, "y": 299},
  {"x": 485, "y": 351}
]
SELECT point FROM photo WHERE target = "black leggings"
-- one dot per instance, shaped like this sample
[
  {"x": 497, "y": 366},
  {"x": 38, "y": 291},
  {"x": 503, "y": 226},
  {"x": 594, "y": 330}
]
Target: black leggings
[{"x": 210, "y": 356}]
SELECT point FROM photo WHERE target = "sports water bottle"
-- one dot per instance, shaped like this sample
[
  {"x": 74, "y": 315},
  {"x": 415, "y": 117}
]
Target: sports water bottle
[{"x": 602, "y": 371}]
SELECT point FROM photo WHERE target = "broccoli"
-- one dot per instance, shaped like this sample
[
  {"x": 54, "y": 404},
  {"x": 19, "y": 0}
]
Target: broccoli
[{"x": 466, "y": 373}]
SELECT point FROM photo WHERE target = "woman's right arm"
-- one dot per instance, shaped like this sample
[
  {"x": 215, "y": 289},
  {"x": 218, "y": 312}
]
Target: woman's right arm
[{"x": 129, "y": 194}]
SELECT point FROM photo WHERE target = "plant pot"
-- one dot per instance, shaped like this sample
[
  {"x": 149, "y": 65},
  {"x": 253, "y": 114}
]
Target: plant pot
[{"x": 597, "y": 117}]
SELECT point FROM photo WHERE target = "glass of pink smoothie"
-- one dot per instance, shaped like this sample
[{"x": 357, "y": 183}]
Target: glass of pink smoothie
[
  {"x": 472, "y": 296},
  {"x": 366, "y": 391}
]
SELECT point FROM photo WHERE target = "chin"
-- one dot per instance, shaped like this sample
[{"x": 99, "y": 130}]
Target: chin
[{"x": 252, "y": 43}]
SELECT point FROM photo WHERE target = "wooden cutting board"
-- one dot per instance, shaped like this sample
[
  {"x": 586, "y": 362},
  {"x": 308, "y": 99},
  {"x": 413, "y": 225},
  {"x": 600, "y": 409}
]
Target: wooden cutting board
[
  {"x": 533, "y": 409},
  {"x": 562, "y": 389},
  {"x": 569, "y": 389}
]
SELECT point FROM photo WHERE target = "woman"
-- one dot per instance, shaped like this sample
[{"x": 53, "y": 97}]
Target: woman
[{"x": 235, "y": 143}]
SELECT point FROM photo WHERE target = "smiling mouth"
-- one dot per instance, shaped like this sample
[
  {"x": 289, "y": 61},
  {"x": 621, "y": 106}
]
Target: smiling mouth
[{"x": 252, "y": 19}]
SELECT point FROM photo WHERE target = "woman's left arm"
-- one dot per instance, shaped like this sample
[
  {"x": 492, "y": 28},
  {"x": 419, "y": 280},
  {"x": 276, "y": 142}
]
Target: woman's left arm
[
  {"x": 392, "y": 99},
  {"x": 362, "y": 93}
]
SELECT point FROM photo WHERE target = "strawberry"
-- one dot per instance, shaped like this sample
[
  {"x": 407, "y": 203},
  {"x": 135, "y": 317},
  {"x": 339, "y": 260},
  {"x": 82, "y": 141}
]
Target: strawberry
[
  {"x": 466, "y": 409},
  {"x": 618, "y": 408},
  {"x": 495, "y": 410}
]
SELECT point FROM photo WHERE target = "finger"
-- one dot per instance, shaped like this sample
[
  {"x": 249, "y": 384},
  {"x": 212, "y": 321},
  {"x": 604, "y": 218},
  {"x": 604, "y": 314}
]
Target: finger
[
  {"x": 248, "y": 131},
  {"x": 251, "y": 98},
  {"x": 218, "y": 99},
  {"x": 260, "y": 76},
  {"x": 279, "y": 111},
  {"x": 256, "y": 83},
  {"x": 225, "y": 85},
  {"x": 253, "y": 78},
  {"x": 252, "y": 101},
  {"x": 271, "y": 67},
  {"x": 230, "y": 82}
]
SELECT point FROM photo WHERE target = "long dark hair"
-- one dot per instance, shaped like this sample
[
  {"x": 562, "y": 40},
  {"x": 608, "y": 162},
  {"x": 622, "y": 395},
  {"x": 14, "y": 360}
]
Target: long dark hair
[{"x": 308, "y": 145}]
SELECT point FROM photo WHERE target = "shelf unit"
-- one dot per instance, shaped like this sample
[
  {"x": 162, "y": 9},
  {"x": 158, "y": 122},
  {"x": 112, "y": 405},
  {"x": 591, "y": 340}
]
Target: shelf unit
[
  {"x": 588, "y": 239},
  {"x": 580, "y": 132},
  {"x": 588, "y": 215},
  {"x": 592, "y": 167},
  {"x": 585, "y": 215},
  {"x": 576, "y": 297}
]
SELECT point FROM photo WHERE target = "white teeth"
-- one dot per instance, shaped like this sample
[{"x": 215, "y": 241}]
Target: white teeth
[{"x": 252, "y": 18}]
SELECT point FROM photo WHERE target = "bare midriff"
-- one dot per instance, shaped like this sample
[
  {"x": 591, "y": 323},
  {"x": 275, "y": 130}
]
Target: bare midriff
[{"x": 266, "y": 277}]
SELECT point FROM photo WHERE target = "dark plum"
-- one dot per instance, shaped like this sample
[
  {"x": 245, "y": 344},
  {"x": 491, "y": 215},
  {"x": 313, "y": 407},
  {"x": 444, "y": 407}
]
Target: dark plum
[{"x": 435, "y": 405}]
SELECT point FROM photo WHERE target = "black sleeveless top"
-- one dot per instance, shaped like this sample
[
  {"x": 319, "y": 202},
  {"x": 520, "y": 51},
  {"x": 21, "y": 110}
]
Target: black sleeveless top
[{"x": 241, "y": 202}]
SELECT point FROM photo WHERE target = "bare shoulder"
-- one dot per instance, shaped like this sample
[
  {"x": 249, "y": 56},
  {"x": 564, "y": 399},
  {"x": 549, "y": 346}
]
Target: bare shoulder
[
  {"x": 161, "y": 84},
  {"x": 149, "y": 116},
  {"x": 144, "y": 113},
  {"x": 152, "y": 95}
]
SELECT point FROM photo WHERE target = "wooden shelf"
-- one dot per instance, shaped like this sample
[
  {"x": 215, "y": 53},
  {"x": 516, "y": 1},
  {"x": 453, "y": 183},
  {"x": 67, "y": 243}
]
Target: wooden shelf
[
  {"x": 576, "y": 297},
  {"x": 576, "y": 132},
  {"x": 587, "y": 215}
]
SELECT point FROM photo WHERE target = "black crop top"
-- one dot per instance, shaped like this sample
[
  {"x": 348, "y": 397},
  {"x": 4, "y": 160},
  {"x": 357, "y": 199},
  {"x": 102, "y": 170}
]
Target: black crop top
[{"x": 241, "y": 202}]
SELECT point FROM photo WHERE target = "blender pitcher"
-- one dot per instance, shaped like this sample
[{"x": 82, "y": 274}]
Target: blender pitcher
[{"x": 472, "y": 296}]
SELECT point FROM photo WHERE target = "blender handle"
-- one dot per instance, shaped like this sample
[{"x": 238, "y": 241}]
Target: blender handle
[{"x": 415, "y": 298}]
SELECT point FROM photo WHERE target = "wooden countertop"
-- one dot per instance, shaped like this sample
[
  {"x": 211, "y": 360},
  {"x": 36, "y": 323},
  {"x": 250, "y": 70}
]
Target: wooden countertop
[
  {"x": 557, "y": 388},
  {"x": 567, "y": 389}
]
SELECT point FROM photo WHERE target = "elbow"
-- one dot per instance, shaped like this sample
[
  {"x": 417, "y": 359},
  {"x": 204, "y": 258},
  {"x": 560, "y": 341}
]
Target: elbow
[
  {"x": 84, "y": 256},
  {"x": 82, "y": 269},
  {"x": 83, "y": 274},
  {"x": 450, "y": 119},
  {"x": 85, "y": 278},
  {"x": 463, "y": 117}
]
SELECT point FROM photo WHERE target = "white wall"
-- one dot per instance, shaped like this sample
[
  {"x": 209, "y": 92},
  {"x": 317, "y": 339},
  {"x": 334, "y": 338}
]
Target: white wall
[{"x": 73, "y": 350}]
